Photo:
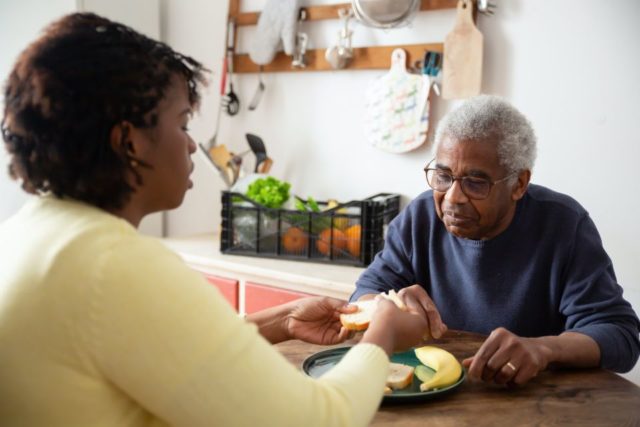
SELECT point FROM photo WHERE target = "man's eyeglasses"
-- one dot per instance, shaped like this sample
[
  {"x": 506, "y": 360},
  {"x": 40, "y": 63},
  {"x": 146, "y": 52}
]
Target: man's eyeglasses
[{"x": 473, "y": 187}]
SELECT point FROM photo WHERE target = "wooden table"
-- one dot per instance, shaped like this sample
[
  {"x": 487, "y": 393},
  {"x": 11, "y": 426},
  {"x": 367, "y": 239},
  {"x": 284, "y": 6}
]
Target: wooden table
[{"x": 585, "y": 397}]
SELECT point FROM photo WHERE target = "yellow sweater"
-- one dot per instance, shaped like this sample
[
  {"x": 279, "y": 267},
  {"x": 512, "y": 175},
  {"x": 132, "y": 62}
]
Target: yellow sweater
[{"x": 100, "y": 326}]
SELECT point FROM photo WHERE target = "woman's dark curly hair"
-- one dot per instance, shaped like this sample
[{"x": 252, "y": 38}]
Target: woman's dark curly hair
[{"x": 67, "y": 91}]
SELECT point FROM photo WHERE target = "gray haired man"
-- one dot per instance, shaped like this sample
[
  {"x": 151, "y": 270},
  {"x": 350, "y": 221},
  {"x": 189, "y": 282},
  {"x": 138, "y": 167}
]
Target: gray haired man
[{"x": 486, "y": 251}]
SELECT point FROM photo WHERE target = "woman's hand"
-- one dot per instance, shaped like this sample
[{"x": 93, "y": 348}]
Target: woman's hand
[
  {"x": 317, "y": 320},
  {"x": 395, "y": 330}
]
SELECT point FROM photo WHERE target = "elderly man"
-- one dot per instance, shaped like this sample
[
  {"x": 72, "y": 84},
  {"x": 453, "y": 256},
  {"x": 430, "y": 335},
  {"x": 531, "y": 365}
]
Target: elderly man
[{"x": 486, "y": 251}]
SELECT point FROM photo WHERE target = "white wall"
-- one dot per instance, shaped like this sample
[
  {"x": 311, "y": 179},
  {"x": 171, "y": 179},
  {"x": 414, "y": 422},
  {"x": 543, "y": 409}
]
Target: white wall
[
  {"x": 15, "y": 33},
  {"x": 570, "y": 66},
  {"x": 21, "y": 22},
  {"x": 576, "y": 82}
]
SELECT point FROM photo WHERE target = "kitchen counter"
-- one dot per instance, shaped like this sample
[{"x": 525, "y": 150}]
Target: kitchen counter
[{"x": 202, "y": 252}]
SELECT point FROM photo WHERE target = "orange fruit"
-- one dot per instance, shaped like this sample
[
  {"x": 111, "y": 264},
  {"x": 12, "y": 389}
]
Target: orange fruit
[
  {"x": 324, "y": 240},
  {"x": 295, "y": 240},
  {"x": 353, "y": 234}
]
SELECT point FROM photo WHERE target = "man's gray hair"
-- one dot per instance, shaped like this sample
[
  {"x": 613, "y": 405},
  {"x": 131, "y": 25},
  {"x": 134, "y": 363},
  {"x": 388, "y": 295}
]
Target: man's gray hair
[{"x": 488, "y": 118}]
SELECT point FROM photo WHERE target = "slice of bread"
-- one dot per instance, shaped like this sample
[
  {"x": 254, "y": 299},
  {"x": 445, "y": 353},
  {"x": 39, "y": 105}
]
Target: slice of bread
[
  {"x": 400, "y": 376},
  {"x": 393, "y": 296},
  {"x": 359, "y": 321}
]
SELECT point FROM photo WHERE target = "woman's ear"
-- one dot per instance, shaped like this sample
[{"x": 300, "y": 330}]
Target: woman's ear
[
  {"x": 120, "y": 139},
  {"x": 521, "y": 185}
]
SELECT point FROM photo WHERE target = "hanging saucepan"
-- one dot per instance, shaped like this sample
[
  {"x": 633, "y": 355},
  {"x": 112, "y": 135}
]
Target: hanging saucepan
[{"x": 385, "y": 13}]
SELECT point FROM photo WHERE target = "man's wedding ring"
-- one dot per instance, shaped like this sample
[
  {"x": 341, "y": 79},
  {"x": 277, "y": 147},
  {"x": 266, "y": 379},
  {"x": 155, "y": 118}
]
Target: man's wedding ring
[{"x": 511, "y": 365}]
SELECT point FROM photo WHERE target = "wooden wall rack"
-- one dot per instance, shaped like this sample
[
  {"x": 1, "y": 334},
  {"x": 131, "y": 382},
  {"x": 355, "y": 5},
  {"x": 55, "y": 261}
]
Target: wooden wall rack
[{"x": 372, "y": 57}]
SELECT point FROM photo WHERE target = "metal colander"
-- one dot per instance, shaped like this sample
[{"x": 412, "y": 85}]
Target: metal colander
[{"x": 385, "y": 13}]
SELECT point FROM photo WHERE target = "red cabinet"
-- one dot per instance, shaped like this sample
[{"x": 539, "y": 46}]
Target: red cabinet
[
  {"x": 228, "y": 288},
  {"x": 258, "y": 297}
]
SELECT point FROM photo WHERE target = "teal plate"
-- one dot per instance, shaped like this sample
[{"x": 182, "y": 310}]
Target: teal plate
[{"x": 319, "y": 363}]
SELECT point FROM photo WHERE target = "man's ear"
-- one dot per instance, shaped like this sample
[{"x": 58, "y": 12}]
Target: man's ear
[{"x": 521, "y": 185}]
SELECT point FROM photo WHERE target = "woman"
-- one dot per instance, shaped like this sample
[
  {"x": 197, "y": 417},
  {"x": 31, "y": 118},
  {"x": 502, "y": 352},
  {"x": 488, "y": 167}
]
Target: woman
[{"x": 102, "y": 326}]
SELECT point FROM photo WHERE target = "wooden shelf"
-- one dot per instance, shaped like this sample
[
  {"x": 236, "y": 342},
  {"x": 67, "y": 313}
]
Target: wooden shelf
[
  {"x": 329, "y": 11},
  {"x": 364, "y": 58}
]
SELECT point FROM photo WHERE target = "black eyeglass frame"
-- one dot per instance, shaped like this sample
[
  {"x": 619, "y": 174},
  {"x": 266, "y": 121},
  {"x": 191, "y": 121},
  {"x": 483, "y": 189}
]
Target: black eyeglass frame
[{"x": 462, "y": 179}]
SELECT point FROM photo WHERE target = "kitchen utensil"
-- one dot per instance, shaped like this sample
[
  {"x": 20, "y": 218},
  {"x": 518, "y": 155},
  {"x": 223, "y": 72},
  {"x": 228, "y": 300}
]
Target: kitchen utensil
[
  {"x": 234, "y": 167},
  {"x": 432, "y": 66},
  {"x": 462, "y": 70},
  {"x": 340, "y": 55},
  {"x": 299, "y": 58},
  {"x": 222, "y": 158},
  {"x": 231, "y": 100},
  {"x": 397, "y": 108},
  {"x": 258, "y": 148},
  {"x": 222, "y": 171},
  {"x": 486, "y": 7},
  {"x": 265, "y": 166},
  {"x": 259, "y": 91},
  {"x": 236, "y": 164},
  {"x": 277, "y": 27},
  {"x": 385, "y": 13},
  {"x": 223, "y": 83},
  {"x": 301, "y": 40}
]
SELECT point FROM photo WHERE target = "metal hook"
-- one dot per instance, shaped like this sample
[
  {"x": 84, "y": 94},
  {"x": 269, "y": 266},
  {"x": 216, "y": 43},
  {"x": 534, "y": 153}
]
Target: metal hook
[
  {"x": 486, "y": 7},
  {"x": 344, "y": 36},
  {"x": 346, "y": 12}
]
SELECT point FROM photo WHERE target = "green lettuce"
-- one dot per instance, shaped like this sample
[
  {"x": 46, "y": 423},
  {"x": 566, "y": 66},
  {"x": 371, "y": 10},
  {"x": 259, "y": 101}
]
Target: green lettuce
[{"x": 269, "y": 192}]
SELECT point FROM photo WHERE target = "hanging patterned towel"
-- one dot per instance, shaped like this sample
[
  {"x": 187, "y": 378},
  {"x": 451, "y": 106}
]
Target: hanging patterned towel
[
  {"x": 397, "y": 108},
  {"x": 278, "y": 22}
]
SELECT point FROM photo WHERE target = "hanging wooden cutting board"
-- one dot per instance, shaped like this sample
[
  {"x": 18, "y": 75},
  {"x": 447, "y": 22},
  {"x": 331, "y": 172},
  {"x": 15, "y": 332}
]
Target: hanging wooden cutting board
[
  {"x": 462, "y": 68},
  {"x": 397, "y": 108}
]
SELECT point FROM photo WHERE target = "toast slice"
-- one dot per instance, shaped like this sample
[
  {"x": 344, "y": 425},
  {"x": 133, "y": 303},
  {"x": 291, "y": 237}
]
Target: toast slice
[
  {"x": 400, "y": 376},
  {"x": 393, "y": 296},
  {"x": 359, "y": 321}
]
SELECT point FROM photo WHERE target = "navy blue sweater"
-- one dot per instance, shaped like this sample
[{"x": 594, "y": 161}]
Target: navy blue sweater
[{"x": 546, "y": 273}]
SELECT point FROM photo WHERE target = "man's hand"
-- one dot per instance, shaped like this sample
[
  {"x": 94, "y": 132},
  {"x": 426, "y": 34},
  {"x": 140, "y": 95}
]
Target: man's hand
[
  {"x": 418, "y": 301},
  {"x": 317, "y": 320},
  {"x": 505, "y": 358}
]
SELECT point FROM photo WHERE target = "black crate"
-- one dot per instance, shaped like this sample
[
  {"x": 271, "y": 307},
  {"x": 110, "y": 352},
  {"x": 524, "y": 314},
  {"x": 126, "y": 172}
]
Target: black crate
[{"x": 351, "y": 233}]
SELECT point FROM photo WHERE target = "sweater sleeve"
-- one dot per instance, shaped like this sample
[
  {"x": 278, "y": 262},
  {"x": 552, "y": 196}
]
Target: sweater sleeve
[
  {"x": 171, "y": 343},
  {"x": 593, "y": 304},
  {"x": 391, "y": 268}
]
